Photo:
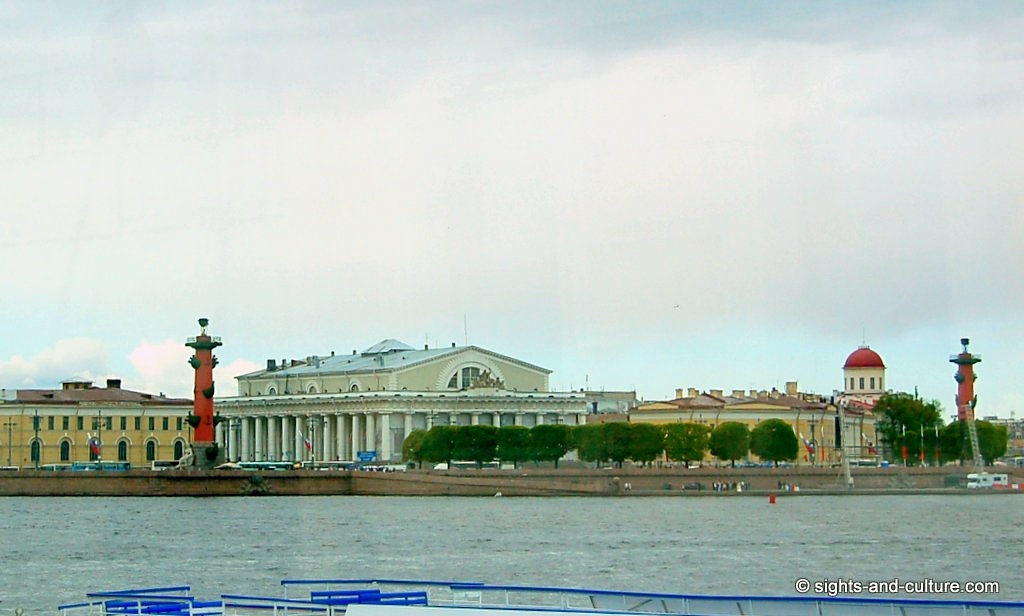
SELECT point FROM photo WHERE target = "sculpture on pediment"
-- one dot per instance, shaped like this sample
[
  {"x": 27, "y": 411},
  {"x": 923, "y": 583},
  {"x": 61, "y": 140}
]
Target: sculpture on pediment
[{"x": 487, "y": 381}]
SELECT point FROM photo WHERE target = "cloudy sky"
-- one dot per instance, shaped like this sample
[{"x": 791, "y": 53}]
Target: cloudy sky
[{"x": 635, "y": 195}]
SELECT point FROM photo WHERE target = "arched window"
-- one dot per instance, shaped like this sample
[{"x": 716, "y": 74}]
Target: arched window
[
  {"x": 355, "y": 387},
  {"x": 35, "y": 451},
  {"x": 179, "y": 450},
  {"x": 271, "y": 391},
  {"x": 462, "y": 379},
  {"x": 65, "y": 451},
  {"x": 311, "y": 388},
  {"x": 122, "y": 451},
  {"x": 150, "y": 450}
]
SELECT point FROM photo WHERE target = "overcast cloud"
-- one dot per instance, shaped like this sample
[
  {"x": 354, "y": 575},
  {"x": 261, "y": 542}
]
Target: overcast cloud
[{"x": 649, "y": 196}]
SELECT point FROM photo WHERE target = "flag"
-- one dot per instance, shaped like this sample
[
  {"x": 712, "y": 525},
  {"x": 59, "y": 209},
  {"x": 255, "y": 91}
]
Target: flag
[
  {"x": 94, "y": 445},
  {"x": 309, "y": 446},
  {"x": 808, "y": 445}
]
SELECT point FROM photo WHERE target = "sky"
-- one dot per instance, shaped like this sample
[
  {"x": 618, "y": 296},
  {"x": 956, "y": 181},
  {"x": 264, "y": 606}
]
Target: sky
[{"x": 641, "y": 196}]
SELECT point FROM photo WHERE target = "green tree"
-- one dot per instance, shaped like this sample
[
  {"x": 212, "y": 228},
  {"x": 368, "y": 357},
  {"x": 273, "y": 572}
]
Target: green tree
[
  {"x": 412, "y": 447},
  {"x": 477, "y": 443},
  {"x": 513, "y": 444},
  {"x": 647, "y": 442},
  {"x": 439, "y": 445},
  {"x": 686, "y": 442},
  {"x": 549, "y": 442},
  {"x": 904, "y": 420},
  {"x": 618, "y": 440},
  {"x": 993, "y": 440},
  {"x": 775, "y": 441},
  {"x": 590, "y": 443},
  {"x": 730, "y": 441}
]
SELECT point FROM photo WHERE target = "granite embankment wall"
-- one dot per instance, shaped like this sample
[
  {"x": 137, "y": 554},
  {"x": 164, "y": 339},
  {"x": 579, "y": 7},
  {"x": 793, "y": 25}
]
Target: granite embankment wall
[{"x": 524, "y": 482}]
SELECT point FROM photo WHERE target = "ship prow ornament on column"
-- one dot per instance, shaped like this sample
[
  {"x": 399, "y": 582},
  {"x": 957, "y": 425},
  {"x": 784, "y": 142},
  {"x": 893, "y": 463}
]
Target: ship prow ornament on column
[{"x": 206, "y": 453}]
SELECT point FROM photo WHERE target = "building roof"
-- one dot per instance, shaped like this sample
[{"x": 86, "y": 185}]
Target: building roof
[
  {"x": 864, "y": 357},
  {"x": 387, "y": 355},
  {"x": 94, "y": 394}
]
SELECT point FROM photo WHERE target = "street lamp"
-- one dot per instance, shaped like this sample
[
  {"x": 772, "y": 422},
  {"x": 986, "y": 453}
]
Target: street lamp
[{"x": 10, "y": 427}]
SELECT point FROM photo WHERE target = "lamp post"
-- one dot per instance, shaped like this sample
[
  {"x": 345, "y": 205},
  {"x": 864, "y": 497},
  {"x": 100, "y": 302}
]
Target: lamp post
[
  {"x": 10, "y": 428},
  {"x": 35, "y": 441}
]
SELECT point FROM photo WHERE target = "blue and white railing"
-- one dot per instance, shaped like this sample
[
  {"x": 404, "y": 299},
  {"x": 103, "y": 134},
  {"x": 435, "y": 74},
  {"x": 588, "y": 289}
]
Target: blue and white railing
[{"x": 392, "y": 597}]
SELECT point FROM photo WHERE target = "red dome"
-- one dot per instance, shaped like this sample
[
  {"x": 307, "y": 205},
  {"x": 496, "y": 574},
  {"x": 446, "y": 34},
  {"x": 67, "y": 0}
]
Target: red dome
[{"x": 864, "y": 357}]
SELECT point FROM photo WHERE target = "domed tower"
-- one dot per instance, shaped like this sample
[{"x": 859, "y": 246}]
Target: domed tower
[{"x": 864, "y": 373}]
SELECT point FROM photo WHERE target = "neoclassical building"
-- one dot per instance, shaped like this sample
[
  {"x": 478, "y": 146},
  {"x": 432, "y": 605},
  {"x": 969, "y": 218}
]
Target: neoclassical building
[
  {"x": 54, "y": 426},
  {"x": 363, "y": 405}
]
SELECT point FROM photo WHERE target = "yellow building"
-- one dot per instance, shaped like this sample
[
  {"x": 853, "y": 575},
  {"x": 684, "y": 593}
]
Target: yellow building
[
  {"x": 813, "y": 418},
  {"x": 54, "y": 426}
]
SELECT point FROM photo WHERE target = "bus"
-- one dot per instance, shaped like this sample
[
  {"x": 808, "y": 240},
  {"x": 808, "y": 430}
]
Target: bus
[
  {"x": 96, "y": 465},
  {"x": 267, "y": 466},
  {"x": 163, "y": 465}
]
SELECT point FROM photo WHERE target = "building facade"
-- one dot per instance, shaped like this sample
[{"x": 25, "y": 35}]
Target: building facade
[
  {"x": 362, "y": 406},
  {"x": 81, "y": 422}
]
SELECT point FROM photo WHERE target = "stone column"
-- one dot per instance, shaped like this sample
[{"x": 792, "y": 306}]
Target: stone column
[
  {"x": 286, "y": 439},
  {"x": 341, "y": 436},
  {"x": 538, "y": 419},
  {"x": 232, "y": 441},
  {"x": 371, "y": 432},
  {"x": 497, "y": 420},
  {"x": 273, "y": 444},
  {"x": 246, "y": 449},
  {"x": 386, "y": 438},
  {"x": 519, "y": 418},
  {"x": 408, "y": 426},
  {"x": 581, "y": 419},
  {"x": 260, "y": 453},
  {"x": 218, "y": 436},
  {"x": 356, "y": 440},
  {"x": 300, "y": 448},
  {"x": 474, "y": 419},
  {"x": 327, "y": 438}
]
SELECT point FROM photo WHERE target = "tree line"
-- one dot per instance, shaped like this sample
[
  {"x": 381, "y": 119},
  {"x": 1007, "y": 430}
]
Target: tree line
[{"x": 615, "y": 442}]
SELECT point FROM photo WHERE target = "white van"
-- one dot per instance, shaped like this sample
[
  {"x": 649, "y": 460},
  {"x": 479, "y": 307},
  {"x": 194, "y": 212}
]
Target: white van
[{"x": 987, "y": 480}]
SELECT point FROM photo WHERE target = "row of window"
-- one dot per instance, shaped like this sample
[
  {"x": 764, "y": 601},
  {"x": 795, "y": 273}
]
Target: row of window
[
  {"x": 107, "y": 423},
  {"x": 872, "y": 379},
  {"x": 122, "y": 451}
]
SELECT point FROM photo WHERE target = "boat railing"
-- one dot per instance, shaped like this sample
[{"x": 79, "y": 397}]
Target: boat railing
[
  {"x": 162, "y": 601},
  {"x": 629, "y": 602},
  {"x": 438, "y": 592}
]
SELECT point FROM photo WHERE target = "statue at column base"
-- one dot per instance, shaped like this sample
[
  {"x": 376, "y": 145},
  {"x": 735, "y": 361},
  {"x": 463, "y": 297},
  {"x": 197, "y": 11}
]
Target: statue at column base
[{"x": 206, "y": 456}]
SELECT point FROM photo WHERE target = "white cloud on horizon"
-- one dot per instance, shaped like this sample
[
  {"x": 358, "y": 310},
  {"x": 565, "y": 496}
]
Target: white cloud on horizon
[{"x": 72, "y": 358}]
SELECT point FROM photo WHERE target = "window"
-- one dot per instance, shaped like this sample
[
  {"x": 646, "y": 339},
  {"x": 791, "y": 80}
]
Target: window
[
  {"x": 110, "y": 423},
  {"x": 49, "y": 422},
  {"x": 65, "y": 423},
  {"x": 92, "y": 454},
  {"x": 81, "y": 422},
  {"x": 35, "y": 451},
  {"x": 152, "y": 424},
  {"x": 150, "y": 449},
  {"x": 122, "y": 449},
  {"x": 355, "y": 387},
  {"x": 124, "y": 423},
  {"x": 468, "y": 375},
  {"x": 872, "y": 382},
  {"x": 166, "y": 423},
  {"x": 862, "y": 382},
  {"x": 851, "y": 383},
  {"x": 179, "y": 450},
  {"x": 138, "y": 423},
  {"x": 65, "y": 450},
  {"x": 177, "y": 423}
]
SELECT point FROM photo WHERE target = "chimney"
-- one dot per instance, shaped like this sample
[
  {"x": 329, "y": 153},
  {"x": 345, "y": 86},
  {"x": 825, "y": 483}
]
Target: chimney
[
  {"x": 791, "y": 388},
  {"x": 113, "y": 383},
  {"x": 679, "y": 392},
  {"x": 692, "y": 392},
  {"x": 716, "y": 393},
  {"x": 271, "y": 365},
  {"x": 737, "y": 393}
]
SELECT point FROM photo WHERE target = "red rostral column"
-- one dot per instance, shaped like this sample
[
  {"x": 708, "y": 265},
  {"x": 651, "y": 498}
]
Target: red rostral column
[
  {"x": 205, "y": 450},
  {"x": 965, "y": 377}
]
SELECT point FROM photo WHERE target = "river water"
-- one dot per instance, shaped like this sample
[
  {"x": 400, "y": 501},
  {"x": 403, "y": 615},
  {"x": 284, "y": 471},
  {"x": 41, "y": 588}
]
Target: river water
[{"x": 54, "y": 550}]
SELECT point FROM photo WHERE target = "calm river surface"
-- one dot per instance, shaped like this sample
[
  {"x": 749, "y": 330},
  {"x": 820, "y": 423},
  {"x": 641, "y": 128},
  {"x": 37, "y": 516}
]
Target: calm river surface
[{"x": 53, "y": 550}]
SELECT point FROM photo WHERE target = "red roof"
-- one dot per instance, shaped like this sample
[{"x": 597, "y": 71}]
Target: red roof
[{"x": 864, "y": 357}]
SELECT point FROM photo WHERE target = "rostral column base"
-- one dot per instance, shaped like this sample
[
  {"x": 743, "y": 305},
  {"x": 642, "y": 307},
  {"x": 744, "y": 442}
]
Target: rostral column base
[{"x": 207, "y": 455}]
